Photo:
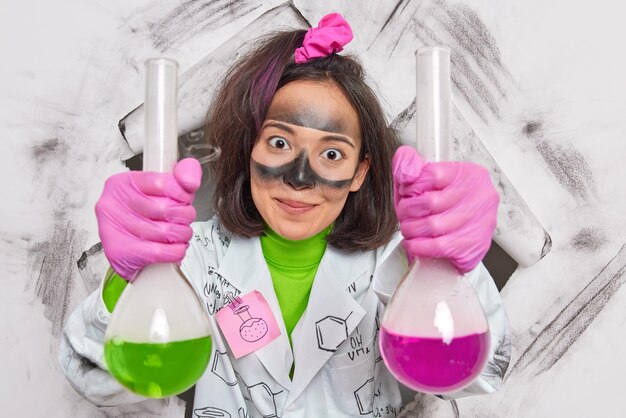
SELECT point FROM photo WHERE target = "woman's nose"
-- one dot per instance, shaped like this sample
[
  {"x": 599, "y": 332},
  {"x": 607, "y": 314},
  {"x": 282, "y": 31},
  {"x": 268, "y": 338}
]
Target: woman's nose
[{"x": 300, "y": 175}]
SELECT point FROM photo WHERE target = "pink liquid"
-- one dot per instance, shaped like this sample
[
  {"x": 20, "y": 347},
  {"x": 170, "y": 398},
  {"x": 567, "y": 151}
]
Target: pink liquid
[{"x": 429, "y": 365}]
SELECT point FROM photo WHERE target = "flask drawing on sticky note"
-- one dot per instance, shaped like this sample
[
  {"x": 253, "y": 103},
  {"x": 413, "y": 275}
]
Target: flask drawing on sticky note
[
  {"x": 247, "y": 322},
  {"x": 251, "y": 329}
]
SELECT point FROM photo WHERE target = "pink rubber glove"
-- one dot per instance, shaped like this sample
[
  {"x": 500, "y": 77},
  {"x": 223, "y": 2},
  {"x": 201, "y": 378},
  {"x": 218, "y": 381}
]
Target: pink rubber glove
[
  {"x": 445, "y": 209},
  {"x": 144, "y": 217}
]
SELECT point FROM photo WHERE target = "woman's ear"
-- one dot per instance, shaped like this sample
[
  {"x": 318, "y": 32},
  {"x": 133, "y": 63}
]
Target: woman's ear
[{"x": 361, "y": 172}]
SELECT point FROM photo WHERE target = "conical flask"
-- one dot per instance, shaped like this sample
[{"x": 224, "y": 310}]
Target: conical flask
[
  {"x": 158, "y": 341},
  {"x": 434, "y": 336}
]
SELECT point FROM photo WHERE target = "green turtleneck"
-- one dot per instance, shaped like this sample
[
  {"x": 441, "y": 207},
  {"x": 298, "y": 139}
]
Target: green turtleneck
[
  {"x": 293, "y": 265},
  {"x": 112, "y": 289}
]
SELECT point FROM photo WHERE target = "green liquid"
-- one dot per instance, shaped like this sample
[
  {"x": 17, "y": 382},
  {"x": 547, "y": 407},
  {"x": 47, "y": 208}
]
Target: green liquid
[
  {"x": 113, "y": 287},
  {"x": 158, "y": 370}
]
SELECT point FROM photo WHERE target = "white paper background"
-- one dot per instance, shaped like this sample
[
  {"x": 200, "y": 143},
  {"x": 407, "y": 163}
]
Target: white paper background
[{"x": 72, "y": 69}]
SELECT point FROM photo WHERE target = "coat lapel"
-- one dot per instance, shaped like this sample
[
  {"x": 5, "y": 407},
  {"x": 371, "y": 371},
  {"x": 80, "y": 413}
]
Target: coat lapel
[
  {"x": 330, "y": 317},
  {"x": 244, "y": 267}
]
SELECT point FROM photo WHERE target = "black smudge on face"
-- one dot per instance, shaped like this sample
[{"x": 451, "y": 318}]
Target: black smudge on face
[
  {"x": 588, "y": 239},
  {"x": 552, "y": 342},
  {"x": 53, "y": 263},
  {"x": 298, "y": 174},
  {"x": 566, "y": 163},
  {"x": 312, "y": 117}
]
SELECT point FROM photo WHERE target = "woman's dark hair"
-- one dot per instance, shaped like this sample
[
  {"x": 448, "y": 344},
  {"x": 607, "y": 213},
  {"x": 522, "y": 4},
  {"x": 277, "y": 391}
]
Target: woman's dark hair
[{"x": 367, "y": 220}]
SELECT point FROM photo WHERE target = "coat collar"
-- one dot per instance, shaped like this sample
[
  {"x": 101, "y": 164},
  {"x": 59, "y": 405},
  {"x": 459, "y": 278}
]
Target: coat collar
[
  {"x": 244, "y": 267},
  {"x": 330, "y": 317}
]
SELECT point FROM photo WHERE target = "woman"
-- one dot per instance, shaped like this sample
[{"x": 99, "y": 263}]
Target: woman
[{"x": 308, "y": 201}]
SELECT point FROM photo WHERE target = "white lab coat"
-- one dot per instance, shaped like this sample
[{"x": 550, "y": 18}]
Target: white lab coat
[{"x": 339, "y": 371}]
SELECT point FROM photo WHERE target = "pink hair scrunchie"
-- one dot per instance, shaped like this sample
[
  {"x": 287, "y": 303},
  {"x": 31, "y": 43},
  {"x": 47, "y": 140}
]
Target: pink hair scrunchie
[{"x": 331, "y": 35}]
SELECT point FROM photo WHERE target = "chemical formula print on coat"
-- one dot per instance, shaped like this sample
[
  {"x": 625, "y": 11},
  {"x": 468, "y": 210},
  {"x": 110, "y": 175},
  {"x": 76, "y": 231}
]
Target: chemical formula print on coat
[
  {"x": 219, "y": 367},
  {"x": 207, "y": 239},
  {"x": 219, "y": 292},
  {"x": 331, "y": 332},
  {"x": 262, "y": 397},
  {"x": 210, "y": 412}
]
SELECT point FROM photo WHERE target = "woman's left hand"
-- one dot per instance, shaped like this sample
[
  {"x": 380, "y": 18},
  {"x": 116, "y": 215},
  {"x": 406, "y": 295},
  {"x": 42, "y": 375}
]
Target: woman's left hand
[{"x": 445, "y": 209}]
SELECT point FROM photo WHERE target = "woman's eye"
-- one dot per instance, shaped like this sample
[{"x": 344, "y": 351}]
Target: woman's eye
[
  {"x": 279, "y": 143},
  {"x": 332, "y": 154}
]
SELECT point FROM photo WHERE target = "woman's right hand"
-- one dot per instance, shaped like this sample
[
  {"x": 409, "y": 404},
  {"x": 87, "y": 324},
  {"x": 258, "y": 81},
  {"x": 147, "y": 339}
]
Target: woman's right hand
[{"x": 144, "y": 217}]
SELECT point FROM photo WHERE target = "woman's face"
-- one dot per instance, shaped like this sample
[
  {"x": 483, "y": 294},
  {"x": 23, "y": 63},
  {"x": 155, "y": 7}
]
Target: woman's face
[{"x": 306, "y": 159}]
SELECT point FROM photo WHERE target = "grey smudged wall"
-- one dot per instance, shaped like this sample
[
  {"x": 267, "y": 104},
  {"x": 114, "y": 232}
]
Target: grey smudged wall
[{"x": 539, "y": 84}]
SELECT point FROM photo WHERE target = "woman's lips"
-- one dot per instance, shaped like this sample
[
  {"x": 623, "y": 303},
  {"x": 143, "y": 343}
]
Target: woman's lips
[{"x": 294, "y": 207}]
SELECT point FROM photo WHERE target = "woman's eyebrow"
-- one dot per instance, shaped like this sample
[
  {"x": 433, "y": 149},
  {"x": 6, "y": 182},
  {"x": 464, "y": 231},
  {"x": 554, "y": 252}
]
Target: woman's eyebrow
[
  {"x": 325, "y": 138},
  {"x": 279, "y": 125},
  {"x": 331, "y": 138}
]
